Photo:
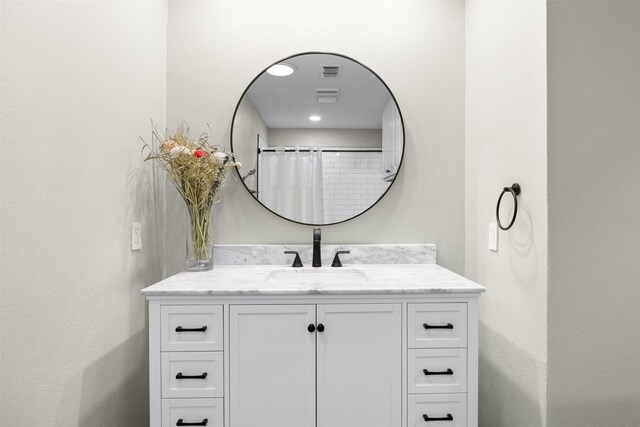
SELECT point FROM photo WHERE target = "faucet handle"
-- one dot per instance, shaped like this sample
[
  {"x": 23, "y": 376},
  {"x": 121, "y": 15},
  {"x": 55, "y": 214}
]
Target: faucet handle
[
  {"x": 296, "y": 262},
  {"x": 336, "y": 260}
]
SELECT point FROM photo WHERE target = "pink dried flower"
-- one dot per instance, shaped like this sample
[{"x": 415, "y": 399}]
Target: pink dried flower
[
  {"x": 168, "y": 145},
  {"x": 176, "y": 151}
]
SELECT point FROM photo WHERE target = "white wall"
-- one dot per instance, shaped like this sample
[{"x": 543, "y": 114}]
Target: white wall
[
  {"x": 594, "y": 213},
  {"x": 80, "y": 81},
  {"x": 326, "y": 137},
  {"x": 248, "y": 125},
  {"x": 506, "y": 109},
  {"x": 217, "y": 47}
]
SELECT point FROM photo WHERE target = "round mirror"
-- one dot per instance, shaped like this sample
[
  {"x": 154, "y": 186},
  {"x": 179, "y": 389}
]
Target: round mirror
[{"x": 320, "y": 137}]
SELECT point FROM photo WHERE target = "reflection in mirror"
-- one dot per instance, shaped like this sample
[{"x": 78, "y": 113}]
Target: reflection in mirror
[{"x": 320, "y": 136}]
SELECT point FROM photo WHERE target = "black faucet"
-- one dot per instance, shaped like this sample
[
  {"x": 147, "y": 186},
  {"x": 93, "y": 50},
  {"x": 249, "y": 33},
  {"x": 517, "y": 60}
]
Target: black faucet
[{"x": 317, "y": 256}]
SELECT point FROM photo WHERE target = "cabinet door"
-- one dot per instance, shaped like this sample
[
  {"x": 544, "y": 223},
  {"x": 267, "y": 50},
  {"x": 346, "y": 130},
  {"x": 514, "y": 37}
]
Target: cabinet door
[
  {"x": 359, "y": 365},
  {"x": 272, "y": 366}
]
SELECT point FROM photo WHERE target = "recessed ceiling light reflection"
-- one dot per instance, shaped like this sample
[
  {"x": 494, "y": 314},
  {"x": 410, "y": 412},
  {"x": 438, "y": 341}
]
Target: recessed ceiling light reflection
[
  {"x": 281, "y": 70},
  {"x": 314, "y": 118}
]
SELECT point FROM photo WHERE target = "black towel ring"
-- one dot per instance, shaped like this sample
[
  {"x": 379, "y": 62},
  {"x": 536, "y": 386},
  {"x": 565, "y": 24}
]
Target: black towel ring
[{"x": 515, "y": 192}]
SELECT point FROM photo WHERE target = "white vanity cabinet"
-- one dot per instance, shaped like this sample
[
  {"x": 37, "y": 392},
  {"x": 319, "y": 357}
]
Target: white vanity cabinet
[
  {"x": 359, "y": 368},
  {"x": 221, "y": 355},
  {"x": 272, "y": 365},
  {"x": 307, "y": 365}
]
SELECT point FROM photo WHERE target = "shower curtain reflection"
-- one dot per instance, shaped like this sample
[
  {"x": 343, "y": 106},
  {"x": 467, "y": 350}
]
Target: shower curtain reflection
[{"x": 290, "y": 183}]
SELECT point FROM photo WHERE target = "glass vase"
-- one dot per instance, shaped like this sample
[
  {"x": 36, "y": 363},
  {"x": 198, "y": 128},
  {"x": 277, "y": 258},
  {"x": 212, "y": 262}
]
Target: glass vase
[{"x": 199, "y": 241}]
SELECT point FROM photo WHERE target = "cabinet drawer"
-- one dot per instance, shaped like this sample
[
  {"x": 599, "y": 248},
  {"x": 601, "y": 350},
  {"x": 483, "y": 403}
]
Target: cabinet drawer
[
  {"x": 425, "y": 409},
  {"x": 193, "y": 374},
  {"x": 205, "y": 412},
  {"x": 191, "y": 327},
  {"x": 438, "y": 370},
  {"x": 437, "y": 325}
]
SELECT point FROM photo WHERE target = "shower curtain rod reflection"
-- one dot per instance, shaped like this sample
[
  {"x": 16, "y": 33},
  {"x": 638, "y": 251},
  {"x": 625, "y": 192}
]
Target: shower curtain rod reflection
[{"x": 329, "y": 150}]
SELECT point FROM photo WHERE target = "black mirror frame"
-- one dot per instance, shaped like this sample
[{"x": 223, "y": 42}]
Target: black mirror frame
[{"x": 233, "y": 120}]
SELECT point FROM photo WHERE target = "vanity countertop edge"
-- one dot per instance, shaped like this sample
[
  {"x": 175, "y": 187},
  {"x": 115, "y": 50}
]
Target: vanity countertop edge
[{"x": 230, "y": 280}]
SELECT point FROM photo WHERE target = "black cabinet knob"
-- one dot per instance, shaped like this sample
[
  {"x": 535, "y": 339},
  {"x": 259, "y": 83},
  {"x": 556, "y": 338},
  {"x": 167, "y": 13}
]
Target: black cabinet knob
[
  {"x": 320, "y": 327},
  {"x": 201, "y": 329},
  {"x": 428, "y": 326},
  {"x": 181, "y": 376},
  {"x": 200, "y": 423},
  {"x": 311, "y": 328},
  {"x": 427, "y": 418},
  {"x": 447, "y": 372}
]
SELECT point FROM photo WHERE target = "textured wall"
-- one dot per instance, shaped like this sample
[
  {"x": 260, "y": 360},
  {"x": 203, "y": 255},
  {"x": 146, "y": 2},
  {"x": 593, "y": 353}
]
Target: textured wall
[
  {"x": 417, "y": 47},
  {"x": 80, "y": 81},
  {"x": 594, "y": 213},
  {"x": 506, "y": 141}
]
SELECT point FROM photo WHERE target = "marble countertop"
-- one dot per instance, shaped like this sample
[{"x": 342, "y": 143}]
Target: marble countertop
[{"x": 256, "y": 280}]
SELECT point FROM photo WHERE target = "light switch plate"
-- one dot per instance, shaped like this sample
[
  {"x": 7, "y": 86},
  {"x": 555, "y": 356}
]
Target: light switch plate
[
  {"x": 493, "y": 236},
  {"x": 136, "y": 236}
]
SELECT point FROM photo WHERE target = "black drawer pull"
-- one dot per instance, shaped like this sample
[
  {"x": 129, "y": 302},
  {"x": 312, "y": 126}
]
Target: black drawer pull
[
  {"x": 191, "y": 377},
  {"x": 201, "y": 423},
  {"x": 449, "y": 417},
  {"x": 447, "y": 372},
  {"x": 320, "y": 327},
  {"x": 428, "y": 326},
  {"x": 181, "y": 329},
  {"x": 311, "y": 327}
]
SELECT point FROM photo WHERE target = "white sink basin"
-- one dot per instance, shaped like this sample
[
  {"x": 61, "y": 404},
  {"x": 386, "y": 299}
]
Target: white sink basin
[{"x": 320, "y": 275}]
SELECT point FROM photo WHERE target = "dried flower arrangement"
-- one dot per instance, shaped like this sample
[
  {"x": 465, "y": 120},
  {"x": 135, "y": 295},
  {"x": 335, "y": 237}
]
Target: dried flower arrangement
[{"x": 198, "y": 171}]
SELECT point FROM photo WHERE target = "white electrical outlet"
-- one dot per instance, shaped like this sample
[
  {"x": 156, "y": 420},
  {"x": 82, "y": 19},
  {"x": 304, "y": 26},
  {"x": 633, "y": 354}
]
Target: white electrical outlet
[
  {"x": 136, "y": 236},
  {"x": 493, "y": 236}
]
